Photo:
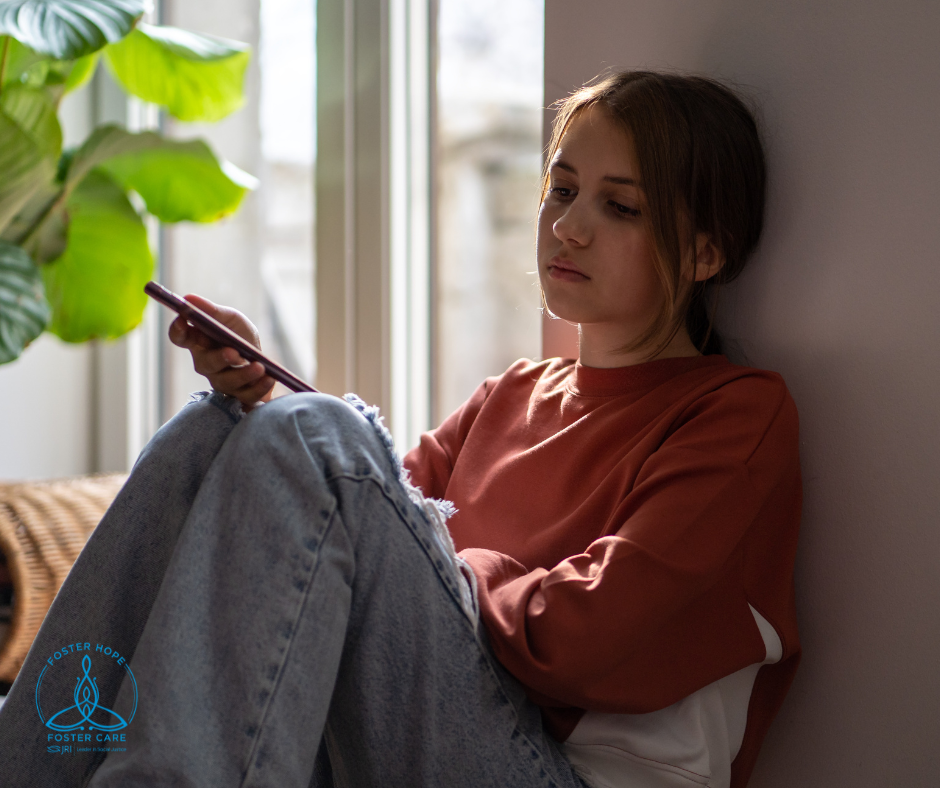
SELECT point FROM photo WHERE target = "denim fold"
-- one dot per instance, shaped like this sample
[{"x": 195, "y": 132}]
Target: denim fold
[{"x": 292, "y": 613}]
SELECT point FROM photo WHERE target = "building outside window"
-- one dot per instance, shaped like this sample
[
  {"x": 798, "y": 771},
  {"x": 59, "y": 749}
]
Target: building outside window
[
  {"x": 488, "y": 159},
  {"x": 288, "y": 152}
]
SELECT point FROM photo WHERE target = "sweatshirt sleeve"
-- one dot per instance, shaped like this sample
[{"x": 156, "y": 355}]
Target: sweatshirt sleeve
[
  {"x": 657, "y": 610},
  {"x": 431, "y": 462}
]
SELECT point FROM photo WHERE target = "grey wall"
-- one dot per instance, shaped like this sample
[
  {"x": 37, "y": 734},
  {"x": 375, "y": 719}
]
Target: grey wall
[
  {"x": 45, "y": 402},
  {"x": 842, "y": 300}
]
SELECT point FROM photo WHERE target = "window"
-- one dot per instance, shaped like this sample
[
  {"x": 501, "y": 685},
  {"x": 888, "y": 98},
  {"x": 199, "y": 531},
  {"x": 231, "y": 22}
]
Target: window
[
  {"x": 413, "y": 284},
  {"x": 288, "y": 145},
  {"x": 488, "y": 160},
  {"x": 261, "y": 260}
]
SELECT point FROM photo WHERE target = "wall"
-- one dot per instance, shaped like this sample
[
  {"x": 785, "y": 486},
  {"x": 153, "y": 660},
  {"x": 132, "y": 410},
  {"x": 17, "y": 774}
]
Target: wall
[
  {"x": 841, "y": 299},
  {"x": 45, "y": 402}
]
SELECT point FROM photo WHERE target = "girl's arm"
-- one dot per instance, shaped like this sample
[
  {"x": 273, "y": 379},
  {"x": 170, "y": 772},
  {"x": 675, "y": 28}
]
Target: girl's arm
[
  {"x": 660, "y": 607},
  {"x": 431, "y": 462}
]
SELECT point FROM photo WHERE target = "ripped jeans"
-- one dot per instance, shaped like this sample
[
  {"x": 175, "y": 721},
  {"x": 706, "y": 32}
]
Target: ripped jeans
[{"x": 265, "y": 605}]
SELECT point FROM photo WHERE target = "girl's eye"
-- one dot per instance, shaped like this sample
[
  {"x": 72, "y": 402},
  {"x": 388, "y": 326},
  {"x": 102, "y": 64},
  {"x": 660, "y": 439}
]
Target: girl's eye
[
  {"x": 624, "y": 209},
  {"x": 561, "y": 191}
]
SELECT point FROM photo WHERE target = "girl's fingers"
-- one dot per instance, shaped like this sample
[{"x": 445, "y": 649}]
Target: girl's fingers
[
  {"x": 208, "y": 357},
  {"x": 259, "y": 390},
  {"x": 186, "y": 336},
  {"x": 236, "y": 381},
  {"x": 216, "y": 360},
  {"x": 226, "y": 370},
  {"x": 178, "y": 333}
]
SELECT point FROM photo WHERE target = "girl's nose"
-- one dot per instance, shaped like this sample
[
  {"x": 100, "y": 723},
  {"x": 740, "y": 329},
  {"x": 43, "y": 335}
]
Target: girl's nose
[{"x": 573, "y": 226}]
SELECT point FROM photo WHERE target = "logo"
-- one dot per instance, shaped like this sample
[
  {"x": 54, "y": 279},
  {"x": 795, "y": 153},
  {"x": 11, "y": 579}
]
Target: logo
[{"x": 86, "y": 720}]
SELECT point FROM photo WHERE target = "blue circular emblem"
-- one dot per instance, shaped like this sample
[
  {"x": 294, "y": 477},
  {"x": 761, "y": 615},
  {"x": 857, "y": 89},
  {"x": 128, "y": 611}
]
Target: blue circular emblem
[{"x": 85, "y": 712}]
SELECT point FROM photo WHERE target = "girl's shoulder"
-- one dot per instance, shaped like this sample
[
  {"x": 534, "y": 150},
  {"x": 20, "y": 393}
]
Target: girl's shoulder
[
  {"x": 744, "y": 408},
  {"x": 763, "y": 388}
]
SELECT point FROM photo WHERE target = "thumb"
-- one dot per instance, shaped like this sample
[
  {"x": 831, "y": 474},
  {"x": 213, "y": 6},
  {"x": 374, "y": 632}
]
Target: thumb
[{"x": 225, "y": 315}]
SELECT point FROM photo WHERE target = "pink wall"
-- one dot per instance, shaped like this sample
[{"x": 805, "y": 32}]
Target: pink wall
[{"x": 843, "y": 301}]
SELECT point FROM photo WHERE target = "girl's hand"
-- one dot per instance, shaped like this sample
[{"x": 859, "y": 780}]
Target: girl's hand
[{"x": 225, "y": 369}]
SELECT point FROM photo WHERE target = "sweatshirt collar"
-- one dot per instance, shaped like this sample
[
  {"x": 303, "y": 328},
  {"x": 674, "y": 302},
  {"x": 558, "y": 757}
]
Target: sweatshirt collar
[{"x": 614, "y": 381}]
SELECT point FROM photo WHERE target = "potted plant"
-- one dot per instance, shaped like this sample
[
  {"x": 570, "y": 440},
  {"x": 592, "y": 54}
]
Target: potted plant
[{"x": 74, "y": 252}]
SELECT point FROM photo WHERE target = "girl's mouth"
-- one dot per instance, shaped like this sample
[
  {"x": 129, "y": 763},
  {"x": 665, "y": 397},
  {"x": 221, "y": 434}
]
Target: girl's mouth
[{"x": 566, "y": 271}]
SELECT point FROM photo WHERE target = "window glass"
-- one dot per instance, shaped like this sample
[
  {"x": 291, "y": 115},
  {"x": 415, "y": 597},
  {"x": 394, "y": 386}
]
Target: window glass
[
  {"x": 488, "y": 158},
  {"x": 260, "y": 260},
  {"x": 288, "y": 145}
]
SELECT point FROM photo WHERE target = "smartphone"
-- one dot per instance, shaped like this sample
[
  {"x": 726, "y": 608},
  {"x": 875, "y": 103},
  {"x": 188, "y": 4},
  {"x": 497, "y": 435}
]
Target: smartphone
[{"x": 217, "y": 332}]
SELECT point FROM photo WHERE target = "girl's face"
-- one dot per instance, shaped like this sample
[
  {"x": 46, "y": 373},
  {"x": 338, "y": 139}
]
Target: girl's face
[{"x": 595, "y": 253}]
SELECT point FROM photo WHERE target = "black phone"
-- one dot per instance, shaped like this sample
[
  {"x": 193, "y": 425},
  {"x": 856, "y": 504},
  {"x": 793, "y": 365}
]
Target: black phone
[{"x": 217, "y": 332}]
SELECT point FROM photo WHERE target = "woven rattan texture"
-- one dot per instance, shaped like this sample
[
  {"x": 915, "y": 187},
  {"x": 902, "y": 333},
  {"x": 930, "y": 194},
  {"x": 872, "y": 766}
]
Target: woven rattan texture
[{"x": 43, "y": 527}]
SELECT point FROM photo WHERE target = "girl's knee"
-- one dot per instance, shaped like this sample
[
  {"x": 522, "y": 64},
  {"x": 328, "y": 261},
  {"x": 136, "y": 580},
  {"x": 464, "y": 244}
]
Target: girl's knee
[
  {"x": 322, "y": 423},
  {"x": 321, "y": 410}
]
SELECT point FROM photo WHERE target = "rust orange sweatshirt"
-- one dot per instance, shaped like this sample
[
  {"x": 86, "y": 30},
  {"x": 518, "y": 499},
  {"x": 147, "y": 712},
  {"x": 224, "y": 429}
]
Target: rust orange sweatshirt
[{"x": 622, "y": 523}]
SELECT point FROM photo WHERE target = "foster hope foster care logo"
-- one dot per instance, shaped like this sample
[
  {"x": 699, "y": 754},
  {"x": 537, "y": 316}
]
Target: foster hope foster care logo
[{"x": 69, "y": 702}]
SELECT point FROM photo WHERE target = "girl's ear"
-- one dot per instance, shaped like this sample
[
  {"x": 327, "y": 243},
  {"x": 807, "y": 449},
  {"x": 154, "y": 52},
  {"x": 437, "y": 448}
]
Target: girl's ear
[{"x": 708, "y": 258}]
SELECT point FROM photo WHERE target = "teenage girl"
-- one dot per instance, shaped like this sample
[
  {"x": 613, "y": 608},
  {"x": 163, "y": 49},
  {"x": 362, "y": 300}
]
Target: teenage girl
[{"x": 619, "y": 611}]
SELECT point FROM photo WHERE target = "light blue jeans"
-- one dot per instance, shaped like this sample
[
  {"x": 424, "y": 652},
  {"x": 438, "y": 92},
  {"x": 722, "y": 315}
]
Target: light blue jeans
[{"x": 290, "y": 619}]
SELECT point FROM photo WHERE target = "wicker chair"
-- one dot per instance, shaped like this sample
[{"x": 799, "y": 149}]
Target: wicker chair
[{"x": 43, "y": 527}]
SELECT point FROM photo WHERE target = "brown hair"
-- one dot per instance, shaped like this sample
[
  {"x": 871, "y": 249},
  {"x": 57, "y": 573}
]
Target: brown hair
[{"x": 702, "y": 169}]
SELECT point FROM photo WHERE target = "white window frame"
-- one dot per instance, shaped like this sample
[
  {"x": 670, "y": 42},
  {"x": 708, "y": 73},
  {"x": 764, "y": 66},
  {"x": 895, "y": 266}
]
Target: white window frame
[{"x": 373, "y": 198}]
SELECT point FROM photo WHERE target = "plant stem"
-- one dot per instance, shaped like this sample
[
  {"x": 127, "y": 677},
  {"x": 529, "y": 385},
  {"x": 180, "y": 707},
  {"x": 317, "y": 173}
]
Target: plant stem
[{"x": 3, "y": 60}]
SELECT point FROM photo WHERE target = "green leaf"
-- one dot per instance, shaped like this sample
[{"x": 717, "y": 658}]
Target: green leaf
[
  {"x": 24, "y": 168},
  {"x": 196, "y": 77},
  {"x": 96, "y": 289},
  {"x": 69, "y": 29},
  {"x": 34, "y": 112},
  {"x": 24, "y": 312},
  {"x": 30, "y": 144},
  {"x": 46, "y": 209},
  {"x": 102, "y": 144},
  {"x": 178, "y": 180},
  {"x": 182, "y": 181},
  {"x": 81, "y": 72},
  {"x": 29, "y": 68},
  {"x": 20, "y": 59}
]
